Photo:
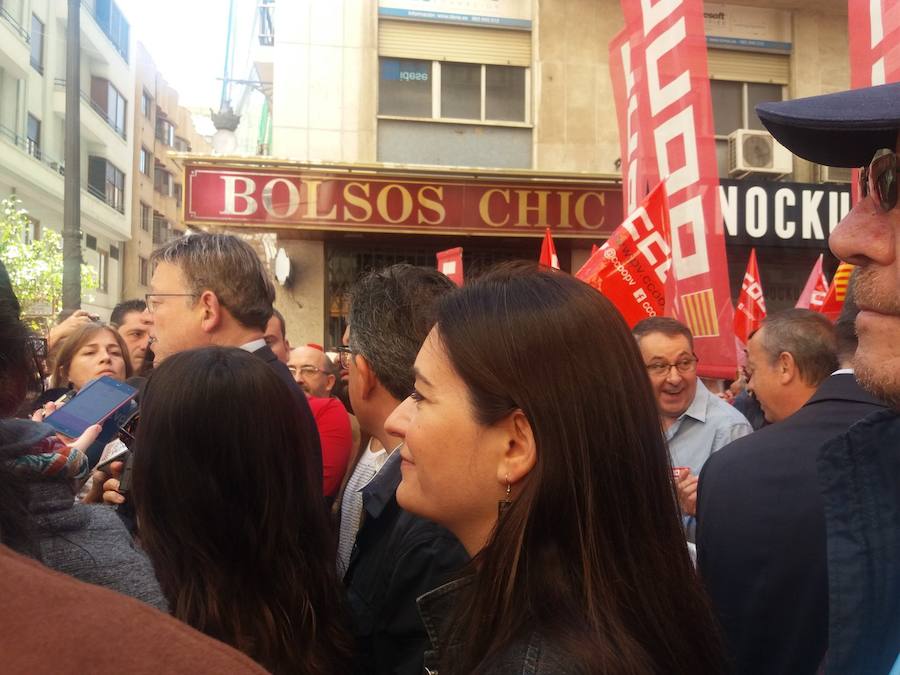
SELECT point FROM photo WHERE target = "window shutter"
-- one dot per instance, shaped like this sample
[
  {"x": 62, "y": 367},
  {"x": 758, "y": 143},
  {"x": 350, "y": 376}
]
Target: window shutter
[
  {"x": 739, "y": 66},
  {"x": 462, "y": 44}
]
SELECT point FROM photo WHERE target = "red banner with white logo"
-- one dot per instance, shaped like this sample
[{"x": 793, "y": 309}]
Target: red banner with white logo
[
  {"x": 548, "y": 252},
  {"x": 450, "y": 264},
  {"x": 813, "y": 295},
  {"x": 751, "y": 306},
  {"x": 632, "y": 268},
  {"x": 661, "y": 86}
]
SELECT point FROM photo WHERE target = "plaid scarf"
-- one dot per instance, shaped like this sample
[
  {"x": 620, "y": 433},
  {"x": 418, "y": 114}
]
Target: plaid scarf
[{"x": 52, "y": 459}]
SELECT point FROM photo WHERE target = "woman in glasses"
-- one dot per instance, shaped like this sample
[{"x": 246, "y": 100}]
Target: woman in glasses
[
  {"x": 562, "y": 494},
  {"x": 244, "y": 553}
]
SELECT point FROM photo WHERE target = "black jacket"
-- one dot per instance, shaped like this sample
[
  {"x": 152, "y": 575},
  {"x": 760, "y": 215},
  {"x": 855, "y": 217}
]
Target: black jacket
[
  {"x": 306, "y": 417},
  {"x": 761, "y": 534},
  {"x": 397, "y": 557}
]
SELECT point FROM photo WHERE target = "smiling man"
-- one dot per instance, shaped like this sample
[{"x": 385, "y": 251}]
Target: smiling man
[
  {"x": 696, "y": 423},
  {"x": 859, "y": 472}
]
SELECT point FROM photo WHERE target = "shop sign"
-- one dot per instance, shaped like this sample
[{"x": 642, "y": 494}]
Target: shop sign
[
  {"x": 747, "y": 28},
  {"x": 781, "y": 214},
  {"x": 496, "y": 13},
  {"x": 345, "y": 200}
]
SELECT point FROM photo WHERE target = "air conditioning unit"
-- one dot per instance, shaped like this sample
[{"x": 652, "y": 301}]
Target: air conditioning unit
[
  {"x": 833, "y": 174},
  {"x": 756, "y": 152}
]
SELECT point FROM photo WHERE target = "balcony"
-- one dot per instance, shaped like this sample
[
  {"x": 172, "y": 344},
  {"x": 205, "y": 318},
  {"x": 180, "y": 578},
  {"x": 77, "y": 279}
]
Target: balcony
[
  {"x": 107, "y": 16},
  {"x": 15, "y": 57},
  {"x": 96, "y": 124}
]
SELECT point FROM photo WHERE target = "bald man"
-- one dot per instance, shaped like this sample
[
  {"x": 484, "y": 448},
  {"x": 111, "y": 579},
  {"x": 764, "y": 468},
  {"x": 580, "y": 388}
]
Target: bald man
[{"x": 312, "y": 371}]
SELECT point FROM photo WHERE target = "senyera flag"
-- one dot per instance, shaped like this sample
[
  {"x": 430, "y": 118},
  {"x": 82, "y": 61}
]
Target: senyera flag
[
  {"x": 813, "y": 295},
  {"x": 834, "y": 300},
  {"x": 632, "y": 267},
  {"x": 548, "y": 252},
  {"x": 660, "y": 81},
  {"x": 450, "y": 264},
  {"x": 751, "y": 307}
]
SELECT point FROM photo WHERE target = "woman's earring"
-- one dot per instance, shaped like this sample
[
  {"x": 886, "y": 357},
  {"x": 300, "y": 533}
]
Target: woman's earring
[{"x": 503, "y": 505}]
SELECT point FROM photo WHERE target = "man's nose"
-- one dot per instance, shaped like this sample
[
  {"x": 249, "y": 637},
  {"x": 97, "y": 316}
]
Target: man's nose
[
  {"x": 866, "y": 235},
  {"x": 673, "y": 375}
]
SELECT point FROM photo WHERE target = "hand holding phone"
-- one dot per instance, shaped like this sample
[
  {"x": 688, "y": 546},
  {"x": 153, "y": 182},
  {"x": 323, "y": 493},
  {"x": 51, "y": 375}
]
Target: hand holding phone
[{"x": 92, "y": 405}]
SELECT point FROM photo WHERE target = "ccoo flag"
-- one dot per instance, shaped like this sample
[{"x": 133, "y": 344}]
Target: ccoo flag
[
  {"x": 751, "y": 307},
  {"x": 813, "y": 294},
  {"x": 548, "y": 252},
  {"x": 834, "y": 300},
  {"x": 632, "y": 267}
]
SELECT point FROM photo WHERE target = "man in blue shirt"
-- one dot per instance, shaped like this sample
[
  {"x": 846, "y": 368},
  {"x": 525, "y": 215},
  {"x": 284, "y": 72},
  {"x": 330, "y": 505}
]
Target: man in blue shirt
[{"x": 696, "y": 423}]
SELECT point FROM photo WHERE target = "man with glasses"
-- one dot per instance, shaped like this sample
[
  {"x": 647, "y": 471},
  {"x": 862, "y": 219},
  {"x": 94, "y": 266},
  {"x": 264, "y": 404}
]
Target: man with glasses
[
  {"x": 696, "y": 422},
  {"x": 312, "y": 370},
  {"x": 859, "y": 472}
]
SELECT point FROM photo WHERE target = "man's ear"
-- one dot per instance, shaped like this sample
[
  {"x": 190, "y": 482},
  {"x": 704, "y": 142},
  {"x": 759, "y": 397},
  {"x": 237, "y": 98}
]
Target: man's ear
[
  {"x": 786, "y": 367},
  {"x": 520, "y": 452},
  {"x": 366, "y": 377},
  {"x": 330, "y": 379},
  {"x": 210, "y": 311}
]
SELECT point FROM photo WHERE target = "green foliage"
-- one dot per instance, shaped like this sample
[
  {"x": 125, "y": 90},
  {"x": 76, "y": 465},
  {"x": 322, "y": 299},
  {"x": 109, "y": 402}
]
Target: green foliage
[{"x": 35, "y": 268}]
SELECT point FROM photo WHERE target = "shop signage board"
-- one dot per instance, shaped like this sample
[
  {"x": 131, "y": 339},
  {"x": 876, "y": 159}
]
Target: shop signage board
[
  {"x": 492, "y": 13},
  {"x": 337, "y": 200},
  {"x": 781, "y": 214}
]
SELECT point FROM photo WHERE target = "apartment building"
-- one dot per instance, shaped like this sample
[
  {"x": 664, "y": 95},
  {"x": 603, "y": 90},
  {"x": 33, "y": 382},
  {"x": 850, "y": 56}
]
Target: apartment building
[
  {"x": 161, "y": 129},
  {"x": 33, "y": 127}
]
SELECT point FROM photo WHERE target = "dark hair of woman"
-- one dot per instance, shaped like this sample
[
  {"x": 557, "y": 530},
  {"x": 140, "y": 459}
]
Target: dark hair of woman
[
  {"x": 592, "y": 553},
  {"x": 228, "y": 513}
]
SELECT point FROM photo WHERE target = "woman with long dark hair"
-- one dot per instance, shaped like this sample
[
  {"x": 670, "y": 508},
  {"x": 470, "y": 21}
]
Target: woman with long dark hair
[
  {"x": 227, "y": 509},
  {"x": 533, "y": 436}
]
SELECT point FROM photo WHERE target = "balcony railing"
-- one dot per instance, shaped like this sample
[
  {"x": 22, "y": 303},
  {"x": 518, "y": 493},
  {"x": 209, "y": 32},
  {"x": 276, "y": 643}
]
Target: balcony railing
[
  {"x": 109, "y": 200},
  {"x": 106, "y": 26},
  {"x": 29, "y": 146},
  {"x": 96, "y": 107},
  {"x": 4, "y": 14}
]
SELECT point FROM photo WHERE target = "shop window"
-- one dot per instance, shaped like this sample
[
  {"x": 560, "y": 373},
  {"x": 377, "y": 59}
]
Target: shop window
[
  {"x": 37, "y": 44},
  {"x": 466, "y": 91},
  {"x": 734, "y": 107}
]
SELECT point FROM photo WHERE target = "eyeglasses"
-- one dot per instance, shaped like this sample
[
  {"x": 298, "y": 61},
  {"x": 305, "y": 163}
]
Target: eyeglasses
[
  {"x": 880, "y": 179},
  {"x": 305, "y": 370},
  {"x": 684, "y": 366},
  {"x": 346, "y": 356},
  {"x": 152, "y": 304}
]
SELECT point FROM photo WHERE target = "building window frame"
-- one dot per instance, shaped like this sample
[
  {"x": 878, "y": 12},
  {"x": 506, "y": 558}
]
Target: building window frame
[
  {"x": 146, "y": 162},
  {"x": 165, "y": 131},
  {"x": 112, "y": 190},
  {"x": 37, "y": 44},
  {"x": 143, "y": 271},
  {"x": 721, "y": 139},
  {"x": 102, "y": 272},
  {"x": 437, "y": 100},
  {"x": 146, "y": 216},
  {"x": 33, "y": 136},
  {"x": 146, "y": 104}
]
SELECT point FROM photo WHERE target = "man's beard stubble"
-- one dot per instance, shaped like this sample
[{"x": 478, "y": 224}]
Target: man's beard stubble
[{"x": 877, "y": 378}]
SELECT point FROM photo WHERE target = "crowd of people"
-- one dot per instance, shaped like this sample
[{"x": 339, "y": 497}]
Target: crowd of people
[{"x": 497, "y": 478}]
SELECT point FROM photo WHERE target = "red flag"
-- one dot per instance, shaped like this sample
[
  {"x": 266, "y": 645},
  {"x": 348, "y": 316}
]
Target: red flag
[
  {"x": 632, "y": 267},
  {"x": 813, "y": 294},
  {"x": 751, "y": 307},
  {"x": 834, "y": 300},
  {"x": 660, "y": 83},
  {"x": 450, "y": 264},
  {"x": 594, "y": 248},
  {"x": 548, "y": 252}
]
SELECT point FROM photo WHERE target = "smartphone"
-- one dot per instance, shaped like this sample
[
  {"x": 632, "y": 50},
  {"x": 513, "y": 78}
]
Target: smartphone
[
  {"x": 118, "y": 456},
  {"x": 92, "y": 405}
]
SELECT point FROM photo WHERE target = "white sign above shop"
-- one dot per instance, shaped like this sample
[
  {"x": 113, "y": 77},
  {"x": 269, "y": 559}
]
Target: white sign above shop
[
  {"x": 486, "y": 13},
  {"x": 749, "y": 28}
]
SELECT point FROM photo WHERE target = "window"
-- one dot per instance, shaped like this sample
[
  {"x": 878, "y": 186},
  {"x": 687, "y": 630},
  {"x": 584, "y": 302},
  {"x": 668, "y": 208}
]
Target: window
[
  {"x": 177, "y": 192},
  {"x": 109, "y": 18},
  {"x": 106, "y": 182},
  {"x": 113, "y": 252},
  {"x": 165, "y": 132},
  {"x": 146, "y": 217},
  {"x": 109, "y": 102},
  {"x": 146, "y": 105},
  {"x": 33, "y": 140},
  {"x": 143, "y": 270},
  {"x": 146, "y": 162},
  {"x": 90, "y": 241},
  {"x": 405, "y": 88},
  {"x": 734, "y": 106},
  {"x": 32, "y": 231},
  {"x": 162, "y": 182},
  {"x": 467, "y": 91},
  {"x": 160, "y": 230},
  {"x": 103, "y": 272},
  {"x": 37, "y": 44},
  {"x": 182, "y": 145}
]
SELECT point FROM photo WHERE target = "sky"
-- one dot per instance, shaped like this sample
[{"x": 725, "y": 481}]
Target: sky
[{"x": 186, "y": 39}]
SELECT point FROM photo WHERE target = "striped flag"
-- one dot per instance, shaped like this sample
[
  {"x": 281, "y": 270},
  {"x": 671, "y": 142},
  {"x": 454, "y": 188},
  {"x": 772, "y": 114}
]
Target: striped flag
[{"x": 834, "y": 300}]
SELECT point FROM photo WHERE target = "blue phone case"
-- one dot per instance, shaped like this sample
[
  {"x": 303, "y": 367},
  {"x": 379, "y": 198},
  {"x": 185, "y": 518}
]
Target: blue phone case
[{"x": 92, "y": 405}]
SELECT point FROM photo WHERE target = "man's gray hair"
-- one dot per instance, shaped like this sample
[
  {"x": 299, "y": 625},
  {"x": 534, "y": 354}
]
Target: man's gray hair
[
  {"x": 227, "y": 266},
  {"x": 807, "y": 336},
  {"x": 391, "y": 313}
]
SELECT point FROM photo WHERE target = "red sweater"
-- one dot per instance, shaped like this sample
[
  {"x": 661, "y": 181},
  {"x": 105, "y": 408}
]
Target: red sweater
[{"x": 336, "y": 438}]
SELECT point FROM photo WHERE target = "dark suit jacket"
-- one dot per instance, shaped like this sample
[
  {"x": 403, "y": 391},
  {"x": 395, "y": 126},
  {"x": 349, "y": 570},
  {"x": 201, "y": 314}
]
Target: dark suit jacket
[
  {"x": 761, "y": 534},
  {"x": 306, "y": 417}
]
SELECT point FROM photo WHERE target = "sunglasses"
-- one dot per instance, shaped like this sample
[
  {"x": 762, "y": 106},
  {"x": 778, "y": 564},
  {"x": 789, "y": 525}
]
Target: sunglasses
[{"x": 880, "y": 180}]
